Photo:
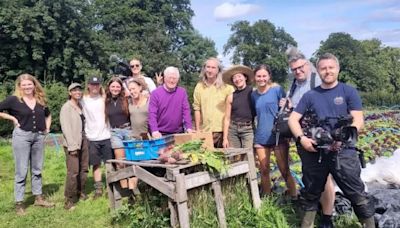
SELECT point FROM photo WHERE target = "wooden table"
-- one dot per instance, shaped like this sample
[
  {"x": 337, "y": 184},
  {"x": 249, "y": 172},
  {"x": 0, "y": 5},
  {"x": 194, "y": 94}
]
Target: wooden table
[{"x": 177, "y": 181}]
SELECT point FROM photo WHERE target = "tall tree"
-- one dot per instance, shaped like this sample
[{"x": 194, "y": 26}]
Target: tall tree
[
  {"x": 346, "y": 48},
  {"x": 49, "y": 38},
  {"x": 150, "y": 30},
  {"x": 260, "y": 43}
]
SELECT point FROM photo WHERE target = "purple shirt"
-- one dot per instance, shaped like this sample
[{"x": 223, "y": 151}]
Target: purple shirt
[{"x": 169, "y": 111}]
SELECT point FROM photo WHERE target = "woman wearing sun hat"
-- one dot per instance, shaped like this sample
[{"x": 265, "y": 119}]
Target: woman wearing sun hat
[{"x": 239, "y": 113}]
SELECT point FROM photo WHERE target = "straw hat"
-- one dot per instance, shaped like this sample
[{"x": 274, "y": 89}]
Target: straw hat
[{"x": 229, "y": 73}]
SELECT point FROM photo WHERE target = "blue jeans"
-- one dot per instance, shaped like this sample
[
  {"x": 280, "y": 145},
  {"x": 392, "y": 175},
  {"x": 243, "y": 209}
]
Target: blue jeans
[
  {"x": 240, "y": 136},
  {"x": 118, "y": 135},
  {"x": 28, "y": 149}
]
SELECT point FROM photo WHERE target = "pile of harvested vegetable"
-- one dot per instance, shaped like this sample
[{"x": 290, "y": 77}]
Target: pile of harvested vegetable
[{"x": 193, "y": 150}]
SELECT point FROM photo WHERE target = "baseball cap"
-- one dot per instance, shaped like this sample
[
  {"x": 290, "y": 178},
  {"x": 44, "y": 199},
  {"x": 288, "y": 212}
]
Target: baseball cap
[
  {"x": 95, "y": 80},
  {"x": 74, "y": 85}
]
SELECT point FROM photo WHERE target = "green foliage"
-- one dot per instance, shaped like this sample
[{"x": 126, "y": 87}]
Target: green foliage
[
  {"x": 367, "y": 65},
  {"x": 6, "y": 126},
  {"x": 260, "y": 43},
  {"x": 215, "y": 161},
  {"x": 148, "y": 210},
  {"x": 57, "y": 95},
  {"x": 241, "y": 213},
  {"x": 50, "y": 39}
]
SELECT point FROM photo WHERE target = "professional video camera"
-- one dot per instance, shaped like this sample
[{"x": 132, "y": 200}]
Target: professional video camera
[
  {"x": 119, "y": 67},
  {"x": 342, "y": 131}
]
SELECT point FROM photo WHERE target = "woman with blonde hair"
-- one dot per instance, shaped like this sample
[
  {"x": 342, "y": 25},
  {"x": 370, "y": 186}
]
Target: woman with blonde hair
[
  {"x": 28, "y": 110},
  {"x": 266, "y": 103},
  {"x": 138, "y": 108}
]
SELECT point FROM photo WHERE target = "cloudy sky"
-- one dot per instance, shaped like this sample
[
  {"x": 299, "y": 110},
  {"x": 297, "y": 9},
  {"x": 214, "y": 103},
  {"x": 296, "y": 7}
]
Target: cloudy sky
[{"x": 308, "y": 21}]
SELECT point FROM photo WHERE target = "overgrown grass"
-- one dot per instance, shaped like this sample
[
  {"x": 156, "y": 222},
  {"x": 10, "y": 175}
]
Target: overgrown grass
[
  {"x": 87, "y": 214},
  {"x": 149, "y": 210}
]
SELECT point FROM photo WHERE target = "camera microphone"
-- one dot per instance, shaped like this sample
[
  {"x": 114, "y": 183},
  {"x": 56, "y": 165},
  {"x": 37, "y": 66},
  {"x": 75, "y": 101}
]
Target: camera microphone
[{"x": 115, "y": 58}]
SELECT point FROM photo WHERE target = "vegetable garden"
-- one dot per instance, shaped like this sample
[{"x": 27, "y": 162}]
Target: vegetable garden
[{"x": 380, "y": 137}]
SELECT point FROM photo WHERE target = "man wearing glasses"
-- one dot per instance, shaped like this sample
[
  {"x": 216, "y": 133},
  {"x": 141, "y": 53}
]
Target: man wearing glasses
[
  {"x": 306, "y": 78},
  {"x": 136, "y": 67}
]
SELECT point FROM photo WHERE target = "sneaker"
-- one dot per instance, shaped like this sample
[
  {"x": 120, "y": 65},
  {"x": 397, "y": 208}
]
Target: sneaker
[
  {"x": 69, "y": 205},
  {"x": 41, "y": 202},
  {"x": 20, "y": 208}
]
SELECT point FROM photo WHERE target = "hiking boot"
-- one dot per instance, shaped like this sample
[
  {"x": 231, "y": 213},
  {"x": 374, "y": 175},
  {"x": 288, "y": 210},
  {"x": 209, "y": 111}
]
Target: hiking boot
[
  {"x": 98, "y": 186},
  {"x": 20, "y": 208},
  {"x": 41, "y": 202},
  {"x": 69, "y": 205},
  {"x": 83, "y": 197}
]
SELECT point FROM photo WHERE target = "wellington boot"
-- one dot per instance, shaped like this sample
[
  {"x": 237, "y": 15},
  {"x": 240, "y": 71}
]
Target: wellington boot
[
  {"x": 308, "y": 219},
  {"x": 41, "y": 202},
  {"x": 20, "y": 208},
  {"x": 368, "y": 222}
]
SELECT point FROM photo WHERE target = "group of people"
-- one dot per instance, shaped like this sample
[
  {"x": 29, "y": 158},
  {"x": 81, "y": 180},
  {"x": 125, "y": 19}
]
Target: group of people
[{"x": 95, "y": 123}]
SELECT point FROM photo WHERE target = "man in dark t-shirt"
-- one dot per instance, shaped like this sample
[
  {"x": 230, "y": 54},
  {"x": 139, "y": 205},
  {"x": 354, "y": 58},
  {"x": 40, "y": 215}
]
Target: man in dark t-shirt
[{"x": 330, "y": 101}]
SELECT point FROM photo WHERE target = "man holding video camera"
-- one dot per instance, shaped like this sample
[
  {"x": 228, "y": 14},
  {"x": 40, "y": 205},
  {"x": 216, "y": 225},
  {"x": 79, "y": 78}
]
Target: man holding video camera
[{"x": 331, "y": 102}]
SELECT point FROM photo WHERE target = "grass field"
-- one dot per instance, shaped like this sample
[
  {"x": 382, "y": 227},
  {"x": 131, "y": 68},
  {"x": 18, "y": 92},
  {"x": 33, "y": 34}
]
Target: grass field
[
  {"x": 87, "y": 214},
  {"x": 150, "y": 209}
]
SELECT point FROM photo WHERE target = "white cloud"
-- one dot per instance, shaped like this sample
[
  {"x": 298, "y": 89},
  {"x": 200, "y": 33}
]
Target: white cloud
[
  {"x": 387, "y": 14},
  {"x": 229, "y": 10}
]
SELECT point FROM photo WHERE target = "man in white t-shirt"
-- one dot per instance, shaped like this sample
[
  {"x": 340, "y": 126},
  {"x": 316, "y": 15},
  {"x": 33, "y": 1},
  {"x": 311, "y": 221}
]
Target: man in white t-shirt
[{"x": 97, "y": 130}]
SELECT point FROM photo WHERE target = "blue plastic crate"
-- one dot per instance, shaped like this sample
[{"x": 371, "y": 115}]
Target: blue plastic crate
[{"x": 139, "y": 150}]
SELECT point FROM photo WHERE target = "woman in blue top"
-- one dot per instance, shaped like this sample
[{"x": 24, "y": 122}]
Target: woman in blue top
[{"x": 265, "y": 100}]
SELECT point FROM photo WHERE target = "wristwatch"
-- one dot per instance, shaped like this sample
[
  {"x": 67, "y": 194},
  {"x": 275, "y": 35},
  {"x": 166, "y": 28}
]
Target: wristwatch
[{"x": 299, "y": 138}]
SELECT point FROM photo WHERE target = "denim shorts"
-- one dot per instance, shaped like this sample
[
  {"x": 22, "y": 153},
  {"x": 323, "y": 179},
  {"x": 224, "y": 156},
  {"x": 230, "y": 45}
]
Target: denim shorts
[{"x": 118, "y": 135}]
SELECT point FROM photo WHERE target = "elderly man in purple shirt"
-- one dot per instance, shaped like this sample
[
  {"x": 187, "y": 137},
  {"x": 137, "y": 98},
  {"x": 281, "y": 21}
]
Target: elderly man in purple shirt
[{"x": 169, "y": 110}]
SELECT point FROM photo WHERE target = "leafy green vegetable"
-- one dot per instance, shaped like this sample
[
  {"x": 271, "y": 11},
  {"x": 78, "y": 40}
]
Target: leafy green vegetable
[{"x": 215, "y": 161}]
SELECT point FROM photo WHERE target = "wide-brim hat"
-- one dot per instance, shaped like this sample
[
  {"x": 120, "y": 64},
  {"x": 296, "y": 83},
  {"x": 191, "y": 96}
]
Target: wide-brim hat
[
  {"x": 236, "y": 69},
  {"x": 74, "y": 85}
]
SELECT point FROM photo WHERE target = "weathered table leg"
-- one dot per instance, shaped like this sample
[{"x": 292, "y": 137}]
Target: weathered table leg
[
  {"x": 173, "y": 213},
  {"x": 252, "y": 178},
  {"x": 181, "y": 201},
  {"x": 110, "y": 186},
  {"x": 216, "y": 186}
]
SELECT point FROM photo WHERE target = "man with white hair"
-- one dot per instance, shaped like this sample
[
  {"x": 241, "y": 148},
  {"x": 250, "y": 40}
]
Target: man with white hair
[{"x": 169, "y": 109}]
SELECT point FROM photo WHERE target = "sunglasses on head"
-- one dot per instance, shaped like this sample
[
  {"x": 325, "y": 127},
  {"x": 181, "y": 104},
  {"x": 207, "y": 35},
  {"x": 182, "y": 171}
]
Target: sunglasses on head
[{"x": 135, "y": 65}]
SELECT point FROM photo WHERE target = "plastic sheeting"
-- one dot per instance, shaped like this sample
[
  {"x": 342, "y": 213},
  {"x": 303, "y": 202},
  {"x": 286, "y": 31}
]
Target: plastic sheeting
[{"x": 383, "y": 181}]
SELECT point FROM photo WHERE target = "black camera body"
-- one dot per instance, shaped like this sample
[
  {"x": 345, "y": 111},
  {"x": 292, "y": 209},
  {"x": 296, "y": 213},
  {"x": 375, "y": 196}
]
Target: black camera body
[{"x": 314, "y": 128}]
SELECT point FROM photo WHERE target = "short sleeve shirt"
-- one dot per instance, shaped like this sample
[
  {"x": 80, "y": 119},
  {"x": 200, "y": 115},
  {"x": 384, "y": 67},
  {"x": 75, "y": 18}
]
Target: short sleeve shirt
[
  {"x": 210, "y": 101},
  {"x": 331, "y": 103},
  {"x": 266, "y": 106},
  {"x": 29, "y": 119}
]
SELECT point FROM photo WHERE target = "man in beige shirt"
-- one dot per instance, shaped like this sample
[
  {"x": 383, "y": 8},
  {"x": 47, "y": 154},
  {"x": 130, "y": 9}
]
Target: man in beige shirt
[{"x": 209, "y": 100}]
